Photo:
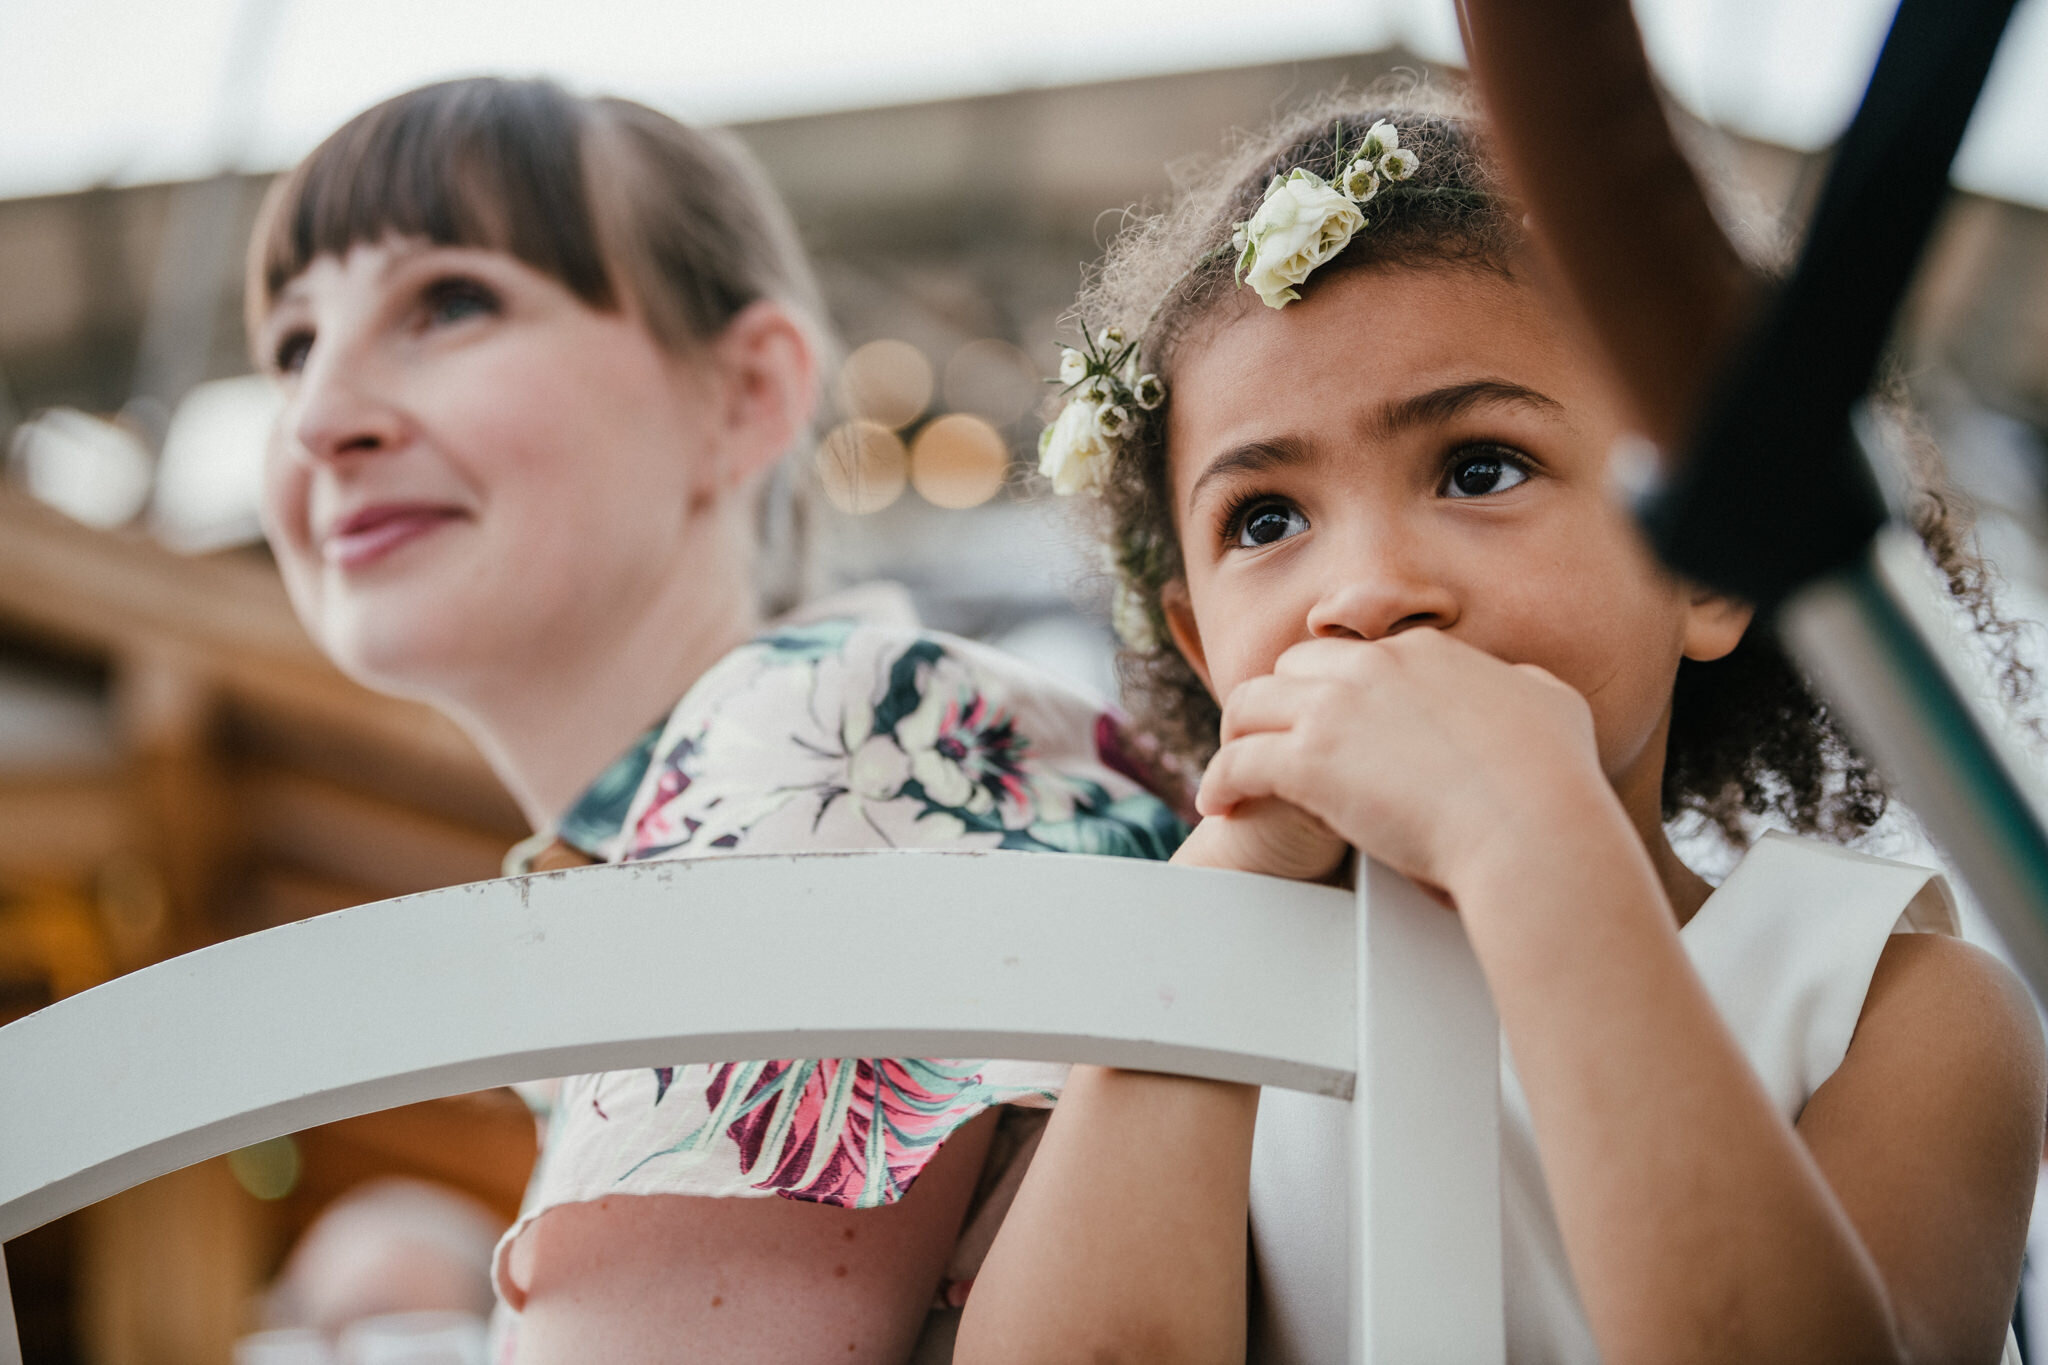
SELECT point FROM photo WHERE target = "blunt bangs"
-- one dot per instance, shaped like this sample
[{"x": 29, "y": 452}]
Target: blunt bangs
[{"x": 489, "y": 163}]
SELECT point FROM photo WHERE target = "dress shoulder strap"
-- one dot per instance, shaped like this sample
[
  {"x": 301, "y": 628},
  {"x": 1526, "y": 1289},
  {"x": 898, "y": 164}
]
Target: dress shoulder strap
[{"x": 1787, "y": 946}]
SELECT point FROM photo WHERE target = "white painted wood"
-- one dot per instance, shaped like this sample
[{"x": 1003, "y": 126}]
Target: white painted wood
[
  {"x": 1033, "y": 956},
  {"x": 1884, "y": 663},
  {"x": 10, "y": 1336},
  {"x": 1426, "y": 1235}
]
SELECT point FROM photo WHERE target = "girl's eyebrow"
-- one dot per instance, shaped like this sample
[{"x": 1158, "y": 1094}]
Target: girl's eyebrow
[
  {"x": 1452, "y": 400},
  {"x": 1250, "y": 458},
  {"x": 1392, "y": 417}
]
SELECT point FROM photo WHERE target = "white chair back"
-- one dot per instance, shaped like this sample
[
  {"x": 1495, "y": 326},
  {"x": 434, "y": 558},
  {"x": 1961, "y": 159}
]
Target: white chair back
[{"x": 1030, "y": 956}]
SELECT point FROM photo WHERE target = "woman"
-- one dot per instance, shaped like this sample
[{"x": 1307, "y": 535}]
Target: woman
[{"x": 542, "y": 358}]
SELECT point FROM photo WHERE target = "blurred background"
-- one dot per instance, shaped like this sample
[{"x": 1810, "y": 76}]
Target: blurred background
[{"x": 177, "y": 763}]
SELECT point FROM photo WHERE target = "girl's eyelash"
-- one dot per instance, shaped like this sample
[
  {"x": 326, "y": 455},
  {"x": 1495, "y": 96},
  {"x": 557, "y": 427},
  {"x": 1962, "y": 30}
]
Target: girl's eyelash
[
  {"x": 1238, "y": 510},
  {"x": 1506, "y": 454}
]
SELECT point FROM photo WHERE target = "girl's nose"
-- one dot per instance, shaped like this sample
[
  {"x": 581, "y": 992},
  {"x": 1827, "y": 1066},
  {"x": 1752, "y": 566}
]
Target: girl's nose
[
  {"x": 337, "y": 412},
  {"x": 1374, "y": 606}
]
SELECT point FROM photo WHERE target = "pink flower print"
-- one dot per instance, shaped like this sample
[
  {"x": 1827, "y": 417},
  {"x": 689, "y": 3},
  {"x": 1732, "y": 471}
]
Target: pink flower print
[
  {"x": 967, "y": 756},
  {"x": 850, "y": 1132}
]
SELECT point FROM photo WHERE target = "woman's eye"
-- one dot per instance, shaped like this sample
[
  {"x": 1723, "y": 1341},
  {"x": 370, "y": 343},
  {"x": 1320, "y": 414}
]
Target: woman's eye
[
  {"x": 290, "y": 355},
  {"x": 1476, "y": 473},
  {"x": 452, "y": 300},
  {"x": 1268, "y": 522}
]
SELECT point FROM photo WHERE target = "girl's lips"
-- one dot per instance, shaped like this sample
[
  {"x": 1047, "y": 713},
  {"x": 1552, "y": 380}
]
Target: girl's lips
[{"x": 375, "y": 532}]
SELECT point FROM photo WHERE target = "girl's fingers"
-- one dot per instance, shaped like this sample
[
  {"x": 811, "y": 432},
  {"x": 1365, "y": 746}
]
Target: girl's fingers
[
  {"x": 1265, "y": 703},
  {"x": 1246, "y": 769}
]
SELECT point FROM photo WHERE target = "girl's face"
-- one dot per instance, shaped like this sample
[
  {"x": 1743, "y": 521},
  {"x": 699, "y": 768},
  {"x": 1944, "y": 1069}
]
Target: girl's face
[
  {"x": 1422, "y": 447},
  {"x": 472, "y": 463}
]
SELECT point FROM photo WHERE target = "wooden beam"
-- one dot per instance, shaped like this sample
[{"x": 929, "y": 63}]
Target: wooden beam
[{"x": 112, "y": 593}]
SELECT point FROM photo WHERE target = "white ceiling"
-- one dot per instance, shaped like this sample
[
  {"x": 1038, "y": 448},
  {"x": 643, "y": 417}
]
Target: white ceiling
[{"x": 131, "y": 91}]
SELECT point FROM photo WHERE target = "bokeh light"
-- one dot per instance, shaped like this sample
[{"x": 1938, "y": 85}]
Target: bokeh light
[
  {"x": 958, "y": 460},
  {"x": 992, "y": 378},
  {"x": 268, "y": 1170},
  {"x": 886, "y": 381},
  {"x": 95, "y": 470},
  {"x": 862, "y": 466}
]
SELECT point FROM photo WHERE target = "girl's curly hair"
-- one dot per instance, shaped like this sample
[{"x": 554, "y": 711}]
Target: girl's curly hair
[{"x": 1749, "y": 738}]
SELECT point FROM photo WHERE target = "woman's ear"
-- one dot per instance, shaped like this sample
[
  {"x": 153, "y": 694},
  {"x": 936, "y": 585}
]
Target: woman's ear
[
  {"x": 1180, "y": 624},
  {"x": 767, "y": 372},
  {"x": 1714, "y": 624}
]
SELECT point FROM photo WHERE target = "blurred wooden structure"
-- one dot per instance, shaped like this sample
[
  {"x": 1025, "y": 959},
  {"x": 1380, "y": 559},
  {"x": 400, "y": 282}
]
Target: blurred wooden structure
[{"x": 246, "y": 784}]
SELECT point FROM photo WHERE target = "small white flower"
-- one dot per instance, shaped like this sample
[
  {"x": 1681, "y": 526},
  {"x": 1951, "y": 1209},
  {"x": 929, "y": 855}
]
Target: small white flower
[
  {"x": 1380, "y": 139},
  {"x": 1132, "y": 620},
  {"x": 1148, "y": 393},
  {"x": 1072, "y": 451},
  {"x": 1113, "y": 420},
  {"x": 1399, "y": 164},
  {"x": 1128, "y": 376},
  {"x": 1303, "y": 223},
  {"x": 1110, "y": 339},
  {"x": 1361, "y": 182},
  {"x": 1098, "y": 389},
  {"x": 1073, "y": 366}
]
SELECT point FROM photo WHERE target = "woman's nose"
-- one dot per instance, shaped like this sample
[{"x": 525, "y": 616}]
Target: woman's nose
[
  {"x": 339, "y": 410},
  {"x": 1382, "y": 602}
]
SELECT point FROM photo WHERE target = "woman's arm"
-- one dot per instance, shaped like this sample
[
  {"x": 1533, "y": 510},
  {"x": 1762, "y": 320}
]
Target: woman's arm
[{"x": 663, "y": 1278}]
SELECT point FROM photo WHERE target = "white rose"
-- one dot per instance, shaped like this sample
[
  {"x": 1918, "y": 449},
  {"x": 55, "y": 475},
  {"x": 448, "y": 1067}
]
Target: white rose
[
  {"x": 1073, "y": 366},
  {"x": 1303, "y": 223},
  {"x": 1072, "y": 451},
  {"x": 1399, "y": 165}
]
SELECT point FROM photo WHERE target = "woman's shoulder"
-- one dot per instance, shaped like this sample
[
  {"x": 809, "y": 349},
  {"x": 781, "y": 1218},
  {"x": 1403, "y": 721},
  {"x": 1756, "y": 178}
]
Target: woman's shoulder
[{"x": 859, "y": 728}]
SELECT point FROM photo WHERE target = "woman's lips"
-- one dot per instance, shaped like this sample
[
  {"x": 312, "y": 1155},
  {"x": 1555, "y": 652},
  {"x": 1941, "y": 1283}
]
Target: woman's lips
[{"x": 373, "y": 533}]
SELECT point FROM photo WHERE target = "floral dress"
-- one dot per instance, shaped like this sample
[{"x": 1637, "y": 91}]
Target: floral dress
[{"x": 832, "y": 730}]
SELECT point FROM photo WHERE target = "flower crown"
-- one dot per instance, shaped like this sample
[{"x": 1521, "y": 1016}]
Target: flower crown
[
  {"x": 1305, "y": 220},
  {"x": 1301, "y": 224}
]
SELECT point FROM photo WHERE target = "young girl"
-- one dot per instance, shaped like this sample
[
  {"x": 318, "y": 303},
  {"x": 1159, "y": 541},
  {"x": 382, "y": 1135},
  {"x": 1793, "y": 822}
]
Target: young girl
[
  {"x": 1355, "y": 467},
  {"x": 541, "y": 358}
]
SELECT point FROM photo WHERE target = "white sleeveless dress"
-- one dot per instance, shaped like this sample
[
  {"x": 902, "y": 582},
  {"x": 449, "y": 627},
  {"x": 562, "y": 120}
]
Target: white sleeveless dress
[{"x": 1786, "y": 947}]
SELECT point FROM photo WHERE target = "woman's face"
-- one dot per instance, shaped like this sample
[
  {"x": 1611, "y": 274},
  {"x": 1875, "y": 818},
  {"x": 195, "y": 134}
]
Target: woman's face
[
  {"x": 1422, "y": 447},
  {"x": 473, "y": 466}
]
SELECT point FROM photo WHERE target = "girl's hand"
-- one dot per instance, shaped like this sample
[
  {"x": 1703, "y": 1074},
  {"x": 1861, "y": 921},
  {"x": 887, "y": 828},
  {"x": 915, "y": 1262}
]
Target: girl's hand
[
  {"x": 1424, "y": 752},
  {"x": 1266, "y": 836}
]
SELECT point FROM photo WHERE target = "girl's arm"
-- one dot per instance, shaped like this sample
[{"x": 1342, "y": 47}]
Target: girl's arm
[
  {"x": 1127, "y": 1241},
  {"x": 1698, "y": 1224}
]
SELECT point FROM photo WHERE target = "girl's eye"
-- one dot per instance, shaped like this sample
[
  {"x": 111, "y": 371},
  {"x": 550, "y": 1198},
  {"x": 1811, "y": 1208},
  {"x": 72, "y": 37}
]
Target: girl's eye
[
  {"x": 290, "y": 355},
  {"x": 1266, "y": 523},
  {"x": 1480, "y": 470},
  {"x": 456, "y": 298}
]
